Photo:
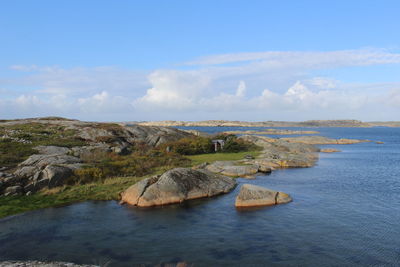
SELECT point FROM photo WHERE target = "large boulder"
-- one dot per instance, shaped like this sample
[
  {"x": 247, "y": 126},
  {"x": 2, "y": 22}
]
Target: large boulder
[
  {"x": 42, "y": 160},
  {"x": 175, "y": 186},
  {"x": 44, "y": 170},
  {"x": 253, "y": 196},
  {"x": 56, "y": 175}
]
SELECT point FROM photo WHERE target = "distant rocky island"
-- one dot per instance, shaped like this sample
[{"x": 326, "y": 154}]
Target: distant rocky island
[{"x": 310, "y": 123}]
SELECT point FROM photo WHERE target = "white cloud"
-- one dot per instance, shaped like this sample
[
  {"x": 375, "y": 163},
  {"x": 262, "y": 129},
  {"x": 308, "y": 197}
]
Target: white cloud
[
  {"x": 360, "y": 57},
  {"x": 24, "y": 67},
  {"x": 78, "y": 81},
  {"x": 173, "y": 89},
  {"x": 103, "y": 102},
  {"x": 323, "y": 82},
  {"x": 241, "y": 90},
  {"x": 27, "y": 101},
  {"x": 269, "y": 85}
]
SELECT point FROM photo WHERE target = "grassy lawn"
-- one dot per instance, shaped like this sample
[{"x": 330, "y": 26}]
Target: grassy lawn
[{"x": 198, "y": 159}]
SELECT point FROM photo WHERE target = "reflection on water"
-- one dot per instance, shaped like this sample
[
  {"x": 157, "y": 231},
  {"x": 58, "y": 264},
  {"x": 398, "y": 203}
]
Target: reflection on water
[{"x": 345, "y": 212}]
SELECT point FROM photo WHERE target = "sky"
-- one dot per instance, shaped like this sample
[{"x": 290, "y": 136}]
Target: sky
[{"x": 199, "y": 60}]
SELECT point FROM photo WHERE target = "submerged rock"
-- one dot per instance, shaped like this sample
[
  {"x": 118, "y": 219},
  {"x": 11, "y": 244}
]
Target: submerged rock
[
  {"x": 175, "y": 186},
  {"x": 330, "y": 150},
  {"x": 253, "y": 196}
]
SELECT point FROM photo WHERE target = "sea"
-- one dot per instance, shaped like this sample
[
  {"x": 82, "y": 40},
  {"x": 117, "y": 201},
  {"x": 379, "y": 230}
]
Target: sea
[{"x": 345, "y": 212}]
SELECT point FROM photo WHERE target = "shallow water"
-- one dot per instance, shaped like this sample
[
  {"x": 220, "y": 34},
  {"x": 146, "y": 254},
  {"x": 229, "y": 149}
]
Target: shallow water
[{"x": 346, "y": 212}]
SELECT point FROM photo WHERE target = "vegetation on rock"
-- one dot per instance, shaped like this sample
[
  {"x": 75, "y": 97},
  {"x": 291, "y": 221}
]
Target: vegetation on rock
[
  {"x": 17, "y": 141},
  {"x": 102, "y": 165}
]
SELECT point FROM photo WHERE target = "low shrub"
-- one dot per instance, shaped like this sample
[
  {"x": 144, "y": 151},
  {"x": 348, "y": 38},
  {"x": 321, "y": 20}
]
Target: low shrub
[
  {"x": 12, "y": 153},
  {"x": 190, "y": 146},
  {"x": 139, "y": 163}
]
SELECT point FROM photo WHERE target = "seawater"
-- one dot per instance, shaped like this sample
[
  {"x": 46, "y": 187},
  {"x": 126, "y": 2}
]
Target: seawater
[{"x": 346, "y": 212}]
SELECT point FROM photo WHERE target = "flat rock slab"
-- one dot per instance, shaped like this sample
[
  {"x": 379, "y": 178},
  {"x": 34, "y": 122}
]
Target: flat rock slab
[
  {"x": 228, "y": 168},
  {"x": 176, "y": 186},
  {"x": 253, "y": 196},
  {"x": 52, "y": 150}
]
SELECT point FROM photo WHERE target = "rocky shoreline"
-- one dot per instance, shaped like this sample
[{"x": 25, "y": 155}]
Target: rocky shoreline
[
  {"x": 52, "y": 165},
  {"x": 210, "y": 179}
]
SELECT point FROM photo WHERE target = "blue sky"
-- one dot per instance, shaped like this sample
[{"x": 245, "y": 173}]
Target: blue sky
[{"x": 194, "y": 60}]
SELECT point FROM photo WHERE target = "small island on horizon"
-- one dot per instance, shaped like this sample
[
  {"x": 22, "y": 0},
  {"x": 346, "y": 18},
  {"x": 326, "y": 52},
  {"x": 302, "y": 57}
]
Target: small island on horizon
[{"x": 309, "y": 123}]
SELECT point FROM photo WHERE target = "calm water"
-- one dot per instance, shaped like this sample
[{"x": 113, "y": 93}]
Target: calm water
[{"x": 346, "y": 212}]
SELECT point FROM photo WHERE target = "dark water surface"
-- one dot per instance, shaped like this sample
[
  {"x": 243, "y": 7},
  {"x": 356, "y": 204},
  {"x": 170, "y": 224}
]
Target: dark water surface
[{"x": 346, "y": 212}]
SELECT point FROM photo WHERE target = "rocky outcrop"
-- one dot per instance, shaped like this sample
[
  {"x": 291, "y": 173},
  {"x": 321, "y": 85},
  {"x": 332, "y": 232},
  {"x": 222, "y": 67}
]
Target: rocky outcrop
[
  {"x": 253, "y": 196},
  {"x": 40, "y": 161},
  {"x": 111, "y": 133},
  {"x": 278, "y": 153},
  {"x": 53, "y": 165},
  {"x": 175, "y": 186},
  {"x": 296, "y": 152},
  {"x": 43, "y": 171}
]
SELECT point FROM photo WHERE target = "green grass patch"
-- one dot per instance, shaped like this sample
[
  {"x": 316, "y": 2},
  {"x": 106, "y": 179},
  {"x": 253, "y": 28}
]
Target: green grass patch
[
  {"x": 107, "y": 190},
  {"x": 198, "y": 159}
]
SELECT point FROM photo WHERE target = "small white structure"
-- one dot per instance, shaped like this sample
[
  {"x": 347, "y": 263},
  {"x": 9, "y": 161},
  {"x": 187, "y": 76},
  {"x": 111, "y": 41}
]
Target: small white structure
[{"x": 218, "y": 143}]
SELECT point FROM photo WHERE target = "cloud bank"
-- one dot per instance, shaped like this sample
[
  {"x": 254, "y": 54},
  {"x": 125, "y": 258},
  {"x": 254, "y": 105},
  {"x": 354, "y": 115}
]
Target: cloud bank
[{"x": 245, "y": 86}]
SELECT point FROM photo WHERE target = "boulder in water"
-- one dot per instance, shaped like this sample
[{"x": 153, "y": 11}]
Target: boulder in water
[
  {"x": 176, "y": 186},
  {"x": 253, "y": 196}
]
